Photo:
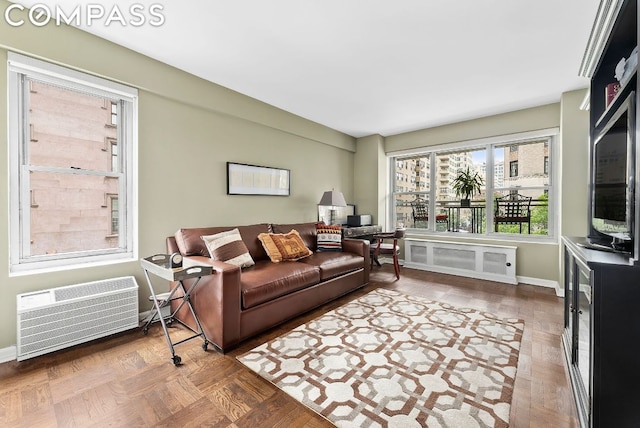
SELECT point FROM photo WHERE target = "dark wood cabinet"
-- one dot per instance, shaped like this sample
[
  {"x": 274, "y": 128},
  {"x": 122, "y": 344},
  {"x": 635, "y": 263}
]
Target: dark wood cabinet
[{"x": 601, "y": 338}]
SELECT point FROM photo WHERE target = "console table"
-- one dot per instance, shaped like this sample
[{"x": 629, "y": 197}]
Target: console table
[{"x": 361, "y": 232}]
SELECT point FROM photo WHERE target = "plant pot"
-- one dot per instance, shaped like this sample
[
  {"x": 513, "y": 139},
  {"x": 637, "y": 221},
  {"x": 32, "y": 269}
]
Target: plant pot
[{"x": 465, "y": 203}]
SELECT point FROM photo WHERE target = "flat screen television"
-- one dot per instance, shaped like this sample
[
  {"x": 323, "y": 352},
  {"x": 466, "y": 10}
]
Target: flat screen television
[{"x": 613, "y": 170}]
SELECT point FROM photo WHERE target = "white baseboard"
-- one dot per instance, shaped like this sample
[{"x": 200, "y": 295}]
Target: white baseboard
[
  {"x": 547, "y": 283},
  {"x": 8, "y": 354},
  {"x": 542, "y": 283}
]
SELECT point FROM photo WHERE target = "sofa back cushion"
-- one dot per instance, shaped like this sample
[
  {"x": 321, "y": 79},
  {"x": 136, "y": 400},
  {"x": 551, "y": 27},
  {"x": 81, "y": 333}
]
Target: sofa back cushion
[
  {"x": 307, "y": 232},
  {"x": 190, "y": 243}
]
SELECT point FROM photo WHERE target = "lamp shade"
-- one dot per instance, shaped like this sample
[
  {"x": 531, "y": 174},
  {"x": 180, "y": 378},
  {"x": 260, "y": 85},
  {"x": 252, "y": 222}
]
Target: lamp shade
[{"x": 333, "y": 198}]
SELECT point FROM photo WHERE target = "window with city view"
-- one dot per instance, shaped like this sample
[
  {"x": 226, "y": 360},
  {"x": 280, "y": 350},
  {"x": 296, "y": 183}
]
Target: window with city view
[
  {"x": 74, "y": 164},
  {"x": 520, "y": 177}
]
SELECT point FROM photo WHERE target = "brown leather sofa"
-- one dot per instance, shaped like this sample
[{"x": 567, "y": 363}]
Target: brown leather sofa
[{"x": 234, "y": 304}]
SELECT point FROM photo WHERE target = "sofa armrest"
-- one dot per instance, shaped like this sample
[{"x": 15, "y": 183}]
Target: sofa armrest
[
  {"x": 356, "y": 246},
  {"x": 361, "y": 248}
]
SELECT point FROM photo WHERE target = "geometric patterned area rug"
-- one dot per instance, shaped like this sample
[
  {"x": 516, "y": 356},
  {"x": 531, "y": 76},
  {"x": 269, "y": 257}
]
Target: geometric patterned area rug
[{"x": 388, "y": 359}]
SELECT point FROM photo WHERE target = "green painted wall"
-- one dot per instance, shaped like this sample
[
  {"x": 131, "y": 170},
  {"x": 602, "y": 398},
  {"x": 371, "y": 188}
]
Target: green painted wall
[
  {"x": 188, "y": 130},
  {"x": 575, "y": 152},
  {"x": 370, "y": 178}
]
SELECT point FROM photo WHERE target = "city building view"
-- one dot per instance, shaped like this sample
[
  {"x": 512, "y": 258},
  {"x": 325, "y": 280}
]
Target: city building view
[{"x": 72, "y": 162}]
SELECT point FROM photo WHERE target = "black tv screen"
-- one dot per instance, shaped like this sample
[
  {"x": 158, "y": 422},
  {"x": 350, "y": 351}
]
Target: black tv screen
[{"x": 611, "y": 175}]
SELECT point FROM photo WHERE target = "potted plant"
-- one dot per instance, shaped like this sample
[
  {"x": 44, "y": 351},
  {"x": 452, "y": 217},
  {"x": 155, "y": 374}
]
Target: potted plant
[{"x": 466, "y": 184}]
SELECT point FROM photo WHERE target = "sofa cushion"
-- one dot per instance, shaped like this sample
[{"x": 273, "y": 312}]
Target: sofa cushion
[
  {"x": 329, "y": 238},
  {"x": 332, "y": 264},
  {"x": 267, "y": 281},
  {"x": 228, "y": 247},
  {"x": 190, "y": 243},
  {"x": 284, "y": 246},
  {"x": 307, "y": 232}
]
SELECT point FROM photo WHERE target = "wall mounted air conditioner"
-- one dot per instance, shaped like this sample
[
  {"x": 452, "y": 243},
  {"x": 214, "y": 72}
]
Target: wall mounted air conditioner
[{"x": 57, "y": 318}]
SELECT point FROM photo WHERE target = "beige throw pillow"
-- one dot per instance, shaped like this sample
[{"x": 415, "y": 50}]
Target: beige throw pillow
[
  {"x": 284, "y": 246},
  {"x": 228, "y": 247}
]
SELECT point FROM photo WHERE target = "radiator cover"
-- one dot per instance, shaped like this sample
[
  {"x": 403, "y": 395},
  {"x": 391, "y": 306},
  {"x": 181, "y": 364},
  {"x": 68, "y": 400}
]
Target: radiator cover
[
  {"x": 57, "y": 318},
  {"x": 483, "y": 261}
]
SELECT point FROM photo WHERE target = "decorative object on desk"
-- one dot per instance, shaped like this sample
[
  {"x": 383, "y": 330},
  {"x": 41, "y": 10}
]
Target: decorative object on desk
[
  {"x": 329, "y": 237},
  {"x": 332, "y": 199},
  {"x": 228, "y": 247},
  {"x": 466, "y": 184},
  {"x": 175, "y": 261},
  {"x": 284, "y": 246},
  {"x": 611, "y": 92},
  {"x": 243, "y": 179},
  {"x": 391, "y": 359}
]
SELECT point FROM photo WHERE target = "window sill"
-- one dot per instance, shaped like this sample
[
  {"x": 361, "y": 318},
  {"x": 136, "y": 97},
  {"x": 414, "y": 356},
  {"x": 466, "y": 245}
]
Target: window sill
[
  {"x": 27, "y": 269},
  {"x": 462, "y": 236}
]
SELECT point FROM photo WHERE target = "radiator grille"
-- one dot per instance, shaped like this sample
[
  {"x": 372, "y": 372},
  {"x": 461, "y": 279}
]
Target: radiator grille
[
  {"x": 484, "y": 261},
  {"x": 494, "y": 263},
  {"x": 454, "y": 258},
  {"x": 53, "y": 319},
  {"x": 418, "y": 253}
]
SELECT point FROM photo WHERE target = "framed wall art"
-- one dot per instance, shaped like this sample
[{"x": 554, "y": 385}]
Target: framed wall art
[{"x": 244, "y": 179}]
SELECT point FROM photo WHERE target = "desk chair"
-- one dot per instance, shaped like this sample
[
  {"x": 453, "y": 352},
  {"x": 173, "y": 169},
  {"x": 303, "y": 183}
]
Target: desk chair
[{"x": 379, "y": 246}]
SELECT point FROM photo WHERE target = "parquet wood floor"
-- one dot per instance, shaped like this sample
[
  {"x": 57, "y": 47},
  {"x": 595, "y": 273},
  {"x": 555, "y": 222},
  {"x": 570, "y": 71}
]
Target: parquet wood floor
[{"x": 128, "y": 380}]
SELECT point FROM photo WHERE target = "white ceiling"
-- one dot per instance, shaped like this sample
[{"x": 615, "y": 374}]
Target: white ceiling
[{"x": 370, "y": 66}]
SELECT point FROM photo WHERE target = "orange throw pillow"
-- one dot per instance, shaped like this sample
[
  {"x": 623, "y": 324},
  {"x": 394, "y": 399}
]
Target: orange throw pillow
[{"x": 284, "y": 246}]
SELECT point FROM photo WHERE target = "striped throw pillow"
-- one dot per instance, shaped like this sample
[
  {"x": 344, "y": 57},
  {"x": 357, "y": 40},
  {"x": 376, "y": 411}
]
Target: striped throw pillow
[
  {"x": 329, "y": 238},
  {"x": 228, "y": 247}
]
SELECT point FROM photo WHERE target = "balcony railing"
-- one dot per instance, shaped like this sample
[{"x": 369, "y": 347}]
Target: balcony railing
[{"x": 451, "y": 217}]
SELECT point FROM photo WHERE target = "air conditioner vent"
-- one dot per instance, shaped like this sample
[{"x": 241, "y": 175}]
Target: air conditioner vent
[{"x": 57, "y": 318}]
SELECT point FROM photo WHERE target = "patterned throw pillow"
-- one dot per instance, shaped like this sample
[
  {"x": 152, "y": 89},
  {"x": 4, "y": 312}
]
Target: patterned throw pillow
[
  {"x": 284, "y": 246},
  {"x": 329, "y": 237},
  {"x": 228, "y": 247}
]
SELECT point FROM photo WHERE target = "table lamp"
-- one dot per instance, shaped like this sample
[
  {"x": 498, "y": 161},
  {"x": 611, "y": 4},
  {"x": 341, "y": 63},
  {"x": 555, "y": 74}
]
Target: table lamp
[{"x": 332, "y": 199}]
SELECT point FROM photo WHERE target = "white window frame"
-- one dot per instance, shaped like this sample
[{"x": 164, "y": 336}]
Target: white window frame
[
  {"x": 488, "y": 144},
  {"x": 21, "y": 262}
]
